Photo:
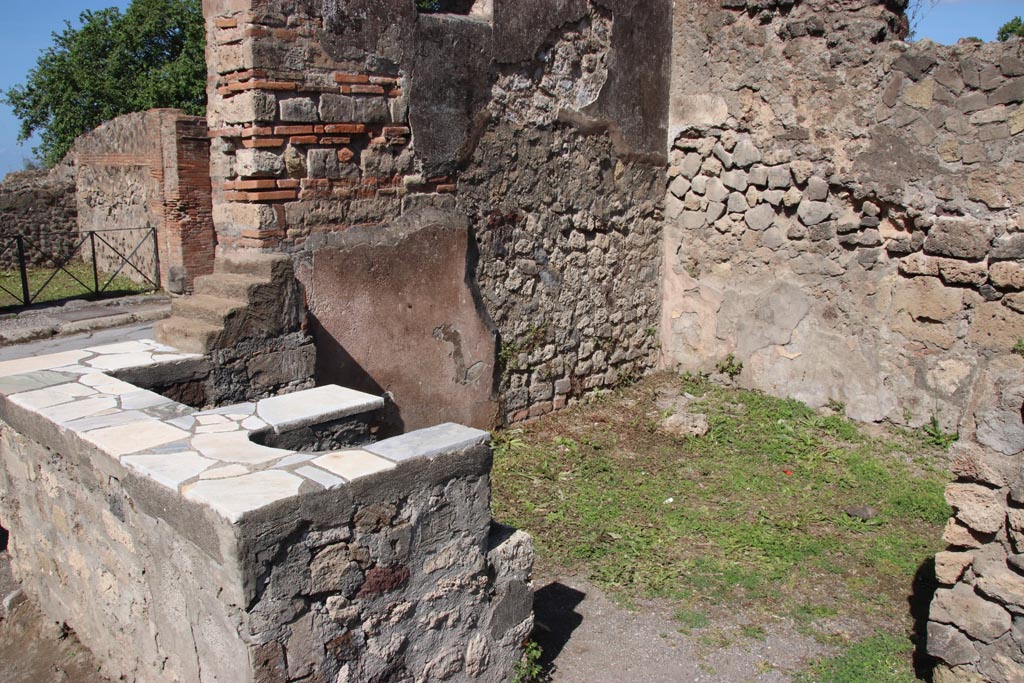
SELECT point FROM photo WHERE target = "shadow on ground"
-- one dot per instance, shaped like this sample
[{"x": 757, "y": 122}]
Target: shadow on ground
[{"x": 555, "y": 619}]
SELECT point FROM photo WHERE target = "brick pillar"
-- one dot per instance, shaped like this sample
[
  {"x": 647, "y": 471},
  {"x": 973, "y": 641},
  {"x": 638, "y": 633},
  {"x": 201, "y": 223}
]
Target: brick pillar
[
  {"x": 304, "y": 140},
  {"x": 187, "y": 239}
]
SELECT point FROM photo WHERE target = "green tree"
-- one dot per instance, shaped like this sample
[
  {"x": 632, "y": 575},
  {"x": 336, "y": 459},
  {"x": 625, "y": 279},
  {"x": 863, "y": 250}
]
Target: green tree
[
  {"x": 1014, "y": 27},
  {"x": 152, "y": 55}
]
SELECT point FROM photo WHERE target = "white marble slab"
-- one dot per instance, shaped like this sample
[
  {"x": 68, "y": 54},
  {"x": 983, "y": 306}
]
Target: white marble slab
[
  {"x": 218, "y": 429},
  {"x": 236, "y": 496},
  {"x": 169, "y": 469},
  {"x": 134, "y": 436},
  {"x": 51, "y": 396},
  {"x": 313, "y": 406},
  {"x": 48, "y": 362},
  {"x": 236, "y": 409},
  {"x": 235, "y": 447},
  {"x": 325, "y": 479},
  {"x": 253, "y": 424},
  {"x": 353, "y": 464},
  {"x": 111, "y": 418},
  {"x": 123, "y": 347},
  {"x": 139, "y": 399},
  {"x": 224, "y": 472},
  {"x": 108, "y": 384},
  {"x": 76, "y": 410},
  {"x": 75, "y": 369},
  {"x": 295, "y": 459},
  {"x": 207, "y": 456},
  {"x": 121, "y": 361},
  {"x": 16, "y": 384},
  {"x": 429, "y": 443}
]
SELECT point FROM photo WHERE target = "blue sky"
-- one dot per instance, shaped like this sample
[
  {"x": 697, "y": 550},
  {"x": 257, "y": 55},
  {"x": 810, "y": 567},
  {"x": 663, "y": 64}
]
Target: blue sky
[
  {"x": 24, "y": 33},
  {"x": 951, "y": 20},
  {"x": 27, "y": 26}
]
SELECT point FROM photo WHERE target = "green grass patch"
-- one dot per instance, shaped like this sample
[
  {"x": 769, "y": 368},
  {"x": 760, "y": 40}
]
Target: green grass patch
[
  {"x": 691, "y": 618},
  {"x": 753, "y": 631},
  {"x": 63, "y": 285},
  {"x": 754, "y": 506},
  {"x": 881, "y": 658},
  {"x": 750, "y": 515}
]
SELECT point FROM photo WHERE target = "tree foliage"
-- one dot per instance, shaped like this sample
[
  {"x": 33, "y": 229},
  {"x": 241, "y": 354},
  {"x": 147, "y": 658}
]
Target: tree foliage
[
  {"x": 1014, "y": 27},
  {"x": 152, "y": 55}
]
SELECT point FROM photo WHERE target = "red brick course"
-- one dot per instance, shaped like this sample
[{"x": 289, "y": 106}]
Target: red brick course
[{"x": 244, "y": 84}]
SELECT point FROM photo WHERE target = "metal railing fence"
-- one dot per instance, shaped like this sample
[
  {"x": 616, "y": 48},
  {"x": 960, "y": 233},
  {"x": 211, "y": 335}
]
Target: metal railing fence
[{"x": 91, "y": 247}]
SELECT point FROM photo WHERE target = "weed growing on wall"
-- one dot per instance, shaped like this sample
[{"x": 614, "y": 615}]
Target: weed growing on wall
[
  {"x": 916, "y": 11},
  {"x": 937, "y": 437},
  {"x": 730, "y": 366},
  {"x": 508, "y": 356},
  {"x": 1014, "y": 27}
]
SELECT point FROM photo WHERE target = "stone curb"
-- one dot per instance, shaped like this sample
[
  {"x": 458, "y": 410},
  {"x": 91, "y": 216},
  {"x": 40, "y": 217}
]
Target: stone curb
[{"x": 149, "y": 312}]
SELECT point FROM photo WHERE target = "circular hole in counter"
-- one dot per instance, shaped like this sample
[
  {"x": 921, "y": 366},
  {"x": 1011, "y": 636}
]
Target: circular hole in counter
[{"x": 348, "y": 432}]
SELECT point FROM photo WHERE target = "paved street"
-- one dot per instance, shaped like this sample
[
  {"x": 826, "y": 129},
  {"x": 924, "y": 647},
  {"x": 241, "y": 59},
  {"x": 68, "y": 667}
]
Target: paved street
[{"x": 77, "y": 341}]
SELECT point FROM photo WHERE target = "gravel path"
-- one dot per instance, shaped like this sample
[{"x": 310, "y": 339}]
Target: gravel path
[{"x": 592, "y": 640}]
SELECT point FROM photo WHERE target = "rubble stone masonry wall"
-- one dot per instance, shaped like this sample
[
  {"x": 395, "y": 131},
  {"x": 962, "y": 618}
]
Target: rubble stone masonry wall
[
  {"x": 40, "y": 206},
  {"x": 566, "y": 225},
  {"x": 331, "y": 115},
  {"x": 149, "y": 170},
  {"x": 843, "y": 215},
  {"x": 398, "y": 577}
]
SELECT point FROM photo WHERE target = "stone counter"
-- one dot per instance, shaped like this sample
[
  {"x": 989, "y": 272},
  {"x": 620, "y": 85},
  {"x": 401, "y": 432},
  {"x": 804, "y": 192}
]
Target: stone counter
[{"x": 180, "y": 549}]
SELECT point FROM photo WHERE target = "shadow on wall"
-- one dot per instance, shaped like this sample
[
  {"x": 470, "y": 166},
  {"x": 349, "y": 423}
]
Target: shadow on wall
[
  {"x": 922, "y": 592},
  {"x": 334, "y": 365},
  {"x": 393, "y": 310},
  {"x": 472, "y": 280}
]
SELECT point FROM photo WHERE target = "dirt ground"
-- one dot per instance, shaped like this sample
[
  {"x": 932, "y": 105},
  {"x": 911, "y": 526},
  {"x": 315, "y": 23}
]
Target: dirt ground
[
  {"x": 585, "y": 636},
  {"x": 36, "y": 650}
]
